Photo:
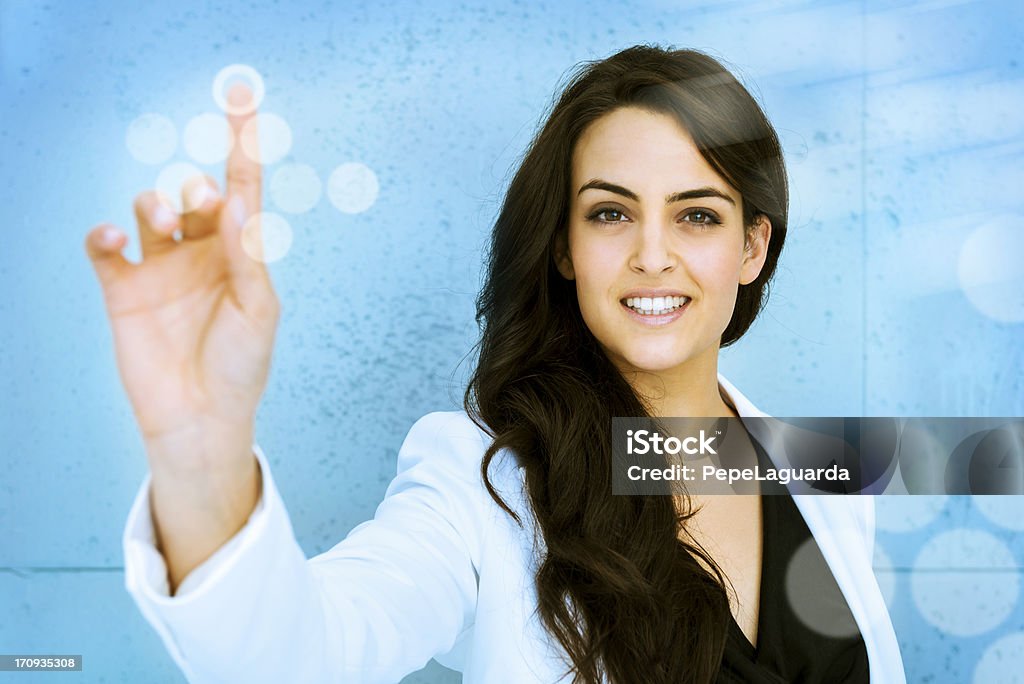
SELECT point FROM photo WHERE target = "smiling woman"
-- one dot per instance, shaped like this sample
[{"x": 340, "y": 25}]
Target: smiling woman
[
  {"x": 683, "y": 257},
  {"x": 664, "y": 213},
  {"x": 636, "y": 239}
]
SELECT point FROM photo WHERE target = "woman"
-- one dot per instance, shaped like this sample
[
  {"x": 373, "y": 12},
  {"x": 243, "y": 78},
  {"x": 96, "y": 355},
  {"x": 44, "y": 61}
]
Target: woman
[{"x": 637, "y": 238}]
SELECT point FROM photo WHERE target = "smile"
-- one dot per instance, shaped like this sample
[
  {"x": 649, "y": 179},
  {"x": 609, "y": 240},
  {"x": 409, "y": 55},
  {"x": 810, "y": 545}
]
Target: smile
[{"x": 655, "y": 311}]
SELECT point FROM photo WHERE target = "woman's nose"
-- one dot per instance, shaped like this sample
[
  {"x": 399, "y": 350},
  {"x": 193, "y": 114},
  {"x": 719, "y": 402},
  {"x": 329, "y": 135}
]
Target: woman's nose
[{"x": 652, "y": 253}]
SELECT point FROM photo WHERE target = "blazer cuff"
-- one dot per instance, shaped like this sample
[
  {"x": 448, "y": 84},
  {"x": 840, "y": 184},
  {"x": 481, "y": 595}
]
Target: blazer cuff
[
  {"x": 141, "y": 549},
  {"x": 221, "y": 583}
]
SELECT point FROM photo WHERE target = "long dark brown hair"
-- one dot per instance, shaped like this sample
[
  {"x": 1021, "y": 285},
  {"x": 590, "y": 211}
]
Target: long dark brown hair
[{"x": 617, "y": 587}]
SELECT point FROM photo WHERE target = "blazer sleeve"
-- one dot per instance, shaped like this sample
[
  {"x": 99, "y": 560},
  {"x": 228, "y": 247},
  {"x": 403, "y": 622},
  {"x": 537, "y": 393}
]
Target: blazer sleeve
[
  {"x": 863, "y": 509},
  {"x": 398, "y": 590}
]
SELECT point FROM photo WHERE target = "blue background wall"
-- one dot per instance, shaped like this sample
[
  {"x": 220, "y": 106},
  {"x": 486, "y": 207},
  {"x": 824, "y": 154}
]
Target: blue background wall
[{"x": 900, "y": 291}]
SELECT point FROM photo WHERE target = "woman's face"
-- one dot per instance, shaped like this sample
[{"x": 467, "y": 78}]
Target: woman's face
[{"x": 655, "y": 243}]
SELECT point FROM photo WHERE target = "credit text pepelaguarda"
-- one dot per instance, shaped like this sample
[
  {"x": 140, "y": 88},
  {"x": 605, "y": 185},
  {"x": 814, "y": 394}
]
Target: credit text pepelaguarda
[{"x": 710, "y": 473}]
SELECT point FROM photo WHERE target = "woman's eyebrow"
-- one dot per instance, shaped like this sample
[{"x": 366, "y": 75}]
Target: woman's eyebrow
[{"x": 707, "y": 191}]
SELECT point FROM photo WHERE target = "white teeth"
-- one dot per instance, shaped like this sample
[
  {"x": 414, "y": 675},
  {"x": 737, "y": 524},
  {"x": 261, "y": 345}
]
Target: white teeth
[{"x": 655, "y": 306}]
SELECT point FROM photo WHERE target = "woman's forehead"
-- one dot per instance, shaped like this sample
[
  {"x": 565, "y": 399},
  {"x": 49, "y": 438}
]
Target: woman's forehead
[{"x": 645, "y": 151}]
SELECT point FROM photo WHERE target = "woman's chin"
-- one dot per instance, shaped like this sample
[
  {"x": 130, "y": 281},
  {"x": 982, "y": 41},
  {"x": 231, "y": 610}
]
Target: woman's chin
[{"x": 657, "y": 362}]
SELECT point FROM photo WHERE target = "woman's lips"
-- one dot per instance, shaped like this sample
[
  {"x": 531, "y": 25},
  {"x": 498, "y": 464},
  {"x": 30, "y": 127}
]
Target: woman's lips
[{"x": 656, "y": 320}]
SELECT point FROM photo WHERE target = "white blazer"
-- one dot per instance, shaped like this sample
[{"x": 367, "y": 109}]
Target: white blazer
[{"x": 439, "y": 572}]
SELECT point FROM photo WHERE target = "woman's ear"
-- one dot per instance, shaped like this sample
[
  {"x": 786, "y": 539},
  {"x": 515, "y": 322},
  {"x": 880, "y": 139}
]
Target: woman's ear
[
  {"x": 755, "y": 250},
  {"x": 563, "y": 259}
]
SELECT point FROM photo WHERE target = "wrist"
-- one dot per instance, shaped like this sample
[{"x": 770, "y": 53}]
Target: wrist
[{"x": 201, "y": 450}]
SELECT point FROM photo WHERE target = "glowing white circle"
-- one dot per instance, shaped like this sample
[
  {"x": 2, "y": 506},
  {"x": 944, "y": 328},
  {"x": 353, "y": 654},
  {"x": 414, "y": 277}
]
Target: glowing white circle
[
  {"x": 266, "y": 138},
  {"x": 954, "y": 587},
  {"x": 276, "y": 236},
  {"x": 170, "y": 181},
  {"x": 208, "y": 138},
  {"x": 151, "y": 138},
  {"x": 990, "y": 270},
  {"x": 353, "y": 187},
  {"x": 246, "y": 73}
]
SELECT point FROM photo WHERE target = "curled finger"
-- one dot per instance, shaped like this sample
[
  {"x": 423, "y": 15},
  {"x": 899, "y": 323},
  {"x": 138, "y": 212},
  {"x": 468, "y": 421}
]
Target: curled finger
[
  {"x": 157, "y": 221},
  {"x": 201, "y": 202}
]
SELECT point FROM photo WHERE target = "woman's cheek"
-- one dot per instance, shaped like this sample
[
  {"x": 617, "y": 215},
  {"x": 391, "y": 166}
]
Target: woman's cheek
[
  {"x": 586, "y": 296},
  {"x": 718, "y": 281}
]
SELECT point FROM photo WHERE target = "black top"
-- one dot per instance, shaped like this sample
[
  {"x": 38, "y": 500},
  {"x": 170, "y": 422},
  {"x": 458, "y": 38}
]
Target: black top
[{"x": 788, "y": 650}]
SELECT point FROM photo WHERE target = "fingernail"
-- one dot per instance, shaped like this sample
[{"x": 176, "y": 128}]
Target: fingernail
[
  {"x": 238, "y": 96},
  {"x": 237, "y": 209},
  {"x": 108, "y": 236},
  {"x": 163, "y": 217}
]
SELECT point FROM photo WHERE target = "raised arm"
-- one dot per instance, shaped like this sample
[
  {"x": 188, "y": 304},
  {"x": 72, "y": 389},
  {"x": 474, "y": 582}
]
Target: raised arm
[{"x": 193, "y": 326}]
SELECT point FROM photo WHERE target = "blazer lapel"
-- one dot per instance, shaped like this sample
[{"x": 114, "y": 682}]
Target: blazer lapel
[{"x": 844, "y": 540}]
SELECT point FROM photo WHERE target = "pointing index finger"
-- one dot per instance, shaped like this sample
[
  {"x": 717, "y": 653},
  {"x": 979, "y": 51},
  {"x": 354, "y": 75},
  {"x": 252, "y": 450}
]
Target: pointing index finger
[{"x": 244, "y": 173}]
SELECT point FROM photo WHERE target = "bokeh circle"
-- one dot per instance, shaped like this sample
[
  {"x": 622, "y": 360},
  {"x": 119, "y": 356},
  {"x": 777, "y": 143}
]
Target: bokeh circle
[
  {"x": 266, "y": 138},
  {"x": 223, "y": 81},
  {"x": 990, "y": 269},
  {"x": 1002, "y": 662},
  {"x": 208, "y": 138},
  {"x": 1005, "y": 511},
  {"x": 814, "y": 596},
  {"x": 171, "y": 180},
  {"x": 151, "y": 138},
  {"x": 965, "y": 582},
  {"x": 276, "y": 233},
  {"x": 353, "y": 187}
]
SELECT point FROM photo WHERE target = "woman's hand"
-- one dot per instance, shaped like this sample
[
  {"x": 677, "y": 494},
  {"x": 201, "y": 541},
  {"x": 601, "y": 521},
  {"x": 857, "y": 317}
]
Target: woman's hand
[{"x": 194, "y": 322}]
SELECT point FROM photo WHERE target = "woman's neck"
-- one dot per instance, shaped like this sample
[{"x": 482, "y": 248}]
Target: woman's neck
[{"x": 688, "y": 390}]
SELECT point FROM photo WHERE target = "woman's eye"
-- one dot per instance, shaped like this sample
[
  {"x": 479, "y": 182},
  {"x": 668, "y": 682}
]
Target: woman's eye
[
  {"x": 607, "y": 216},
  {"x": 701, "y": 218}
]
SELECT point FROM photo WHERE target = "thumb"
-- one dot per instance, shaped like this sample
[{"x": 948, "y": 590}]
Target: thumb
[
  {"x": 243, "y": 249},
  {"x": 103, "y": 244}
]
